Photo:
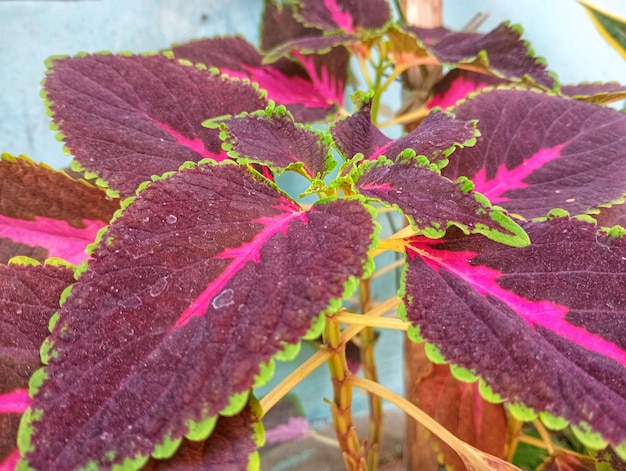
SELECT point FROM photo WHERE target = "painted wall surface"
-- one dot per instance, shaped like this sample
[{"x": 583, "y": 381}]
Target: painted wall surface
[{"x": 31, "y": 31}]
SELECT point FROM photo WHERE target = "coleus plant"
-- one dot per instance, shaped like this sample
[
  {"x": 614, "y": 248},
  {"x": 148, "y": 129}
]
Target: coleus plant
[{"x": 143, "y": 350}]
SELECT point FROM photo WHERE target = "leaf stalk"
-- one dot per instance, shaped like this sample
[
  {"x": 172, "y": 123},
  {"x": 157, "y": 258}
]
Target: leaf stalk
[
  {"x": 368, "y": 340},
  {"x": 341, "y": 406}
]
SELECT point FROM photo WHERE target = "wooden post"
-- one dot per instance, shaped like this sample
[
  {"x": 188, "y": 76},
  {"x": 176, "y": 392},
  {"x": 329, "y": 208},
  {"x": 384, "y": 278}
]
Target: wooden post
[
  {"x": 418, "y": 82},
  {"x": 419, "y": 456},
  {"x": 425, "y": 13}
]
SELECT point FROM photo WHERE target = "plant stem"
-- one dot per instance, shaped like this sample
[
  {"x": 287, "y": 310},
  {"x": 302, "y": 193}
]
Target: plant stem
[
  {"x": 540, "y": 443},
  {"x": 281, "y": 389},
  {"x": 341, "y": 407},
  {"x": 387, "y": 268},
  {"x": 377, "y": 311},
  {"x": 406, "y": 118},
  {"x": 472, "y": 457},
  {"x": 397, "y": 245},
  {"x": 515, "y": 432},
  {"x": 545, "y": 436},
  {"x": 368, "y": 321},
  {"x": 368, "y": 340}
]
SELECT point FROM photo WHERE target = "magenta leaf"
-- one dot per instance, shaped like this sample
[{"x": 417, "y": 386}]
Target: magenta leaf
[
  {"x": 501, "y": 52},
  {"x": 165, "y": 324},
  {"x": 311, "y": 92},
  {"x": 539, "y": 151},
  {"x": 29, "y": 296},
  {"x": 126, "y": 118},
  {"x": 348, "y": 15},
  {"x": 433, "y": 203},
  {"x": 457, "y": 84},
  {"x": 436, "y": 138},
  {"x": 232, "y": 446},
  {"x": 273, "y": 139},
  {"x": 529, "y": 321},
  {"x": 46, "y": 213}
]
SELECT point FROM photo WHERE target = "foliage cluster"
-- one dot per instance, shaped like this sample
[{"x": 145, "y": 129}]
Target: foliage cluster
[{"x": 142, "y": 305}]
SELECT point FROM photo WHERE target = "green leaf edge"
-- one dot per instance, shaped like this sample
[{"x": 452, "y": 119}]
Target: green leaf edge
[
  {"x": 592, "y": 440},
  {"x": 75, "y": 165},
  {"x": 519, "y": 238},
  {"x": 481, "y": 59},
  {"x": 202, "y": 428},
  {"x": 285, "y": 49},
  {"x": 273, "y": 111}
]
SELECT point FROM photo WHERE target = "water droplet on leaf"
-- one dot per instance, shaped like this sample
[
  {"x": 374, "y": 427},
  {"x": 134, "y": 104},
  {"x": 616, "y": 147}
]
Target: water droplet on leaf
[
  {"x": 158, "y": 287},
  {"x": 131, "y": 302},
  {"x": 171, "y": 219},
  {"x": 224, "y": 299},
  {"x": 243, "y": 309}
]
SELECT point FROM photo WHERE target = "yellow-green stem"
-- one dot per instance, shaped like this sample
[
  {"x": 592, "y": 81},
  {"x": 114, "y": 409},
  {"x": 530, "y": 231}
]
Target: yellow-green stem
[
  {"x": 545, "y": 436},
  {"x": 472, "y": 457},
  {"x": 371, "y": 317},
  {"x": 368, "y": 340},
  {"x": 368, "y": 321},
  {"x": 341, "y": 407},
  {"x": 515, "y": 432},
  {"x": 281, "y": 389},
  {"x": 378, "y": 91}
]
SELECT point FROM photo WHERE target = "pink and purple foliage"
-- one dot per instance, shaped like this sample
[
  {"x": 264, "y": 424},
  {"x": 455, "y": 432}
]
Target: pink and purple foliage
[
  {"x": 209, "y": 271},
  {"x": 180, "y": 272},
  {"x": 29, "y": 297}
]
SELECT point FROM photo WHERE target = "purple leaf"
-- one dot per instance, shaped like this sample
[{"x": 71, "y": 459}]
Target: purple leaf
[
  {"x": 165, "y": 324},
  {"x": 598, "y": 93},
  {"x": 432, "y": 203},
  {"x": 310, "y": 45},
  {"x": 232, "y": 446},
  {"x": 29, "y": 296},
  {"x": 529, "y": 321},
  {"x": 47, "y": 213},
  {"x": 436, "y": 138},
  {"x": 272, "y": 138},
  {"x": 457, "y": 84},
  {"x": 279, "y": 25},
  {"x": 328, "y": 72},
  {"x": 540, "y": 151},
  {"x": 126, "y": 118},
  {"x": 348, "y": 15},
  {"x": 430, "y": 36},
  {"x": 500, "y": 52},
  {"x": 310, "y": 93}
]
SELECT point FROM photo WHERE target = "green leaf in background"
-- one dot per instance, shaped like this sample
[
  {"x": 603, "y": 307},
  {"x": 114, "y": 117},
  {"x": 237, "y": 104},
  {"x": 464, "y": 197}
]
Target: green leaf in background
[{"x": 611, "y": 27}]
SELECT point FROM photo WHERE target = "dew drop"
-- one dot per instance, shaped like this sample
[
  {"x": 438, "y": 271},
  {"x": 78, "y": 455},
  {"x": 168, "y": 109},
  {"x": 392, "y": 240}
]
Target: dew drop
[
  {"x": 131, "y": 302},
  {"x": 243, "y": 309},
  {"x": 224, "y": 299},
  {"x": 158, "y": 287},
  {"x": 146, "y": 219},
  {"x": 171, "y": 219}
]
